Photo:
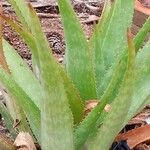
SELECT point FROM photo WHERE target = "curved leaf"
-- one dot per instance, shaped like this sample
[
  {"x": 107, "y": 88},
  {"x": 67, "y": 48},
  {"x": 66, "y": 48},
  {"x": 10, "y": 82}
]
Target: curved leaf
[
  {"x": 120, "y": 106},
  {"x": 75, "y": 100},
  {"x": 142, "y": 80},
  {"x": 31, "y": 111},
  {"x": 78, "y": 57},
  {"x": 111, "y": 40},
  {"x": 90, "y": 124},
  {"x": 55, "y": 110},
  {"x": 22, "y": 74}
]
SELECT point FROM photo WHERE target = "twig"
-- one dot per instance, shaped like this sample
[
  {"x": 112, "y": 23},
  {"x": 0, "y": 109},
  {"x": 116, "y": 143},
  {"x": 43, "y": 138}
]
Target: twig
[
  {"x": 91, "y": 19},
  {"x": 46, "y": 15}
]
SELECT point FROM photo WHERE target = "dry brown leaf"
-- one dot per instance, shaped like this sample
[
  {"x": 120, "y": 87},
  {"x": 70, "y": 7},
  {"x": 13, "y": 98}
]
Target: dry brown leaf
[
  {"x": 93, "y": 103},
  {"x": 141, "y": 8},
  {"x": 24, "y": 141},
  {"x": 142, "y": 147},
  {"x": 140, "y": 118},
  {"x": 135, "y": 136},
  {"x": 107, "y": 108}
]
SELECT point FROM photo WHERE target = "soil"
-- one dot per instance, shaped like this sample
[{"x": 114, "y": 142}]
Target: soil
[
  {"x": 51, "y": 23},
  {"x": 52, "y": 27}
]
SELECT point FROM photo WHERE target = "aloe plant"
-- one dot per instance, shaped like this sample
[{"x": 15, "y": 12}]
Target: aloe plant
[{"x": 111, "y": 67}]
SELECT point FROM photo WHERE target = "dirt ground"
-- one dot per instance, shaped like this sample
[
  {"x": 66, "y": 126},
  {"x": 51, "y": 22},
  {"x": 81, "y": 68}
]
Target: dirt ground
[
  {"x": 51, "y": 24},
  {"x": 48, "y": 13}
]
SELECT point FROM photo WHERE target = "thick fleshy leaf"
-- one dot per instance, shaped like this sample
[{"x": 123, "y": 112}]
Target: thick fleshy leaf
[
  {"x": 78, "y": 57},
  {"x": 138, "y": 41},
  {"x": 16, "y": 112},
  {"x": 119, "y": 108},
  {"x": 22, "y": 74},
  {"x": 14, "y": 109},
  {"x": 111, "y": 39},
  {"x": 73, "y": 96},
  {"x": 8, "y": 120},
  {"x": 96, "y": 43},
  {"x": 141, "y": 86},
  {"x": 142, "y": 81},
  {"x": 31, "y": 111},
  {"x": 140, "y": 37},
  {"x": 55, "y": 111},
  {"x": 111, "y": 82},
  {"x": 90, "y": 124},
  {"x": 22, "y": 12}
]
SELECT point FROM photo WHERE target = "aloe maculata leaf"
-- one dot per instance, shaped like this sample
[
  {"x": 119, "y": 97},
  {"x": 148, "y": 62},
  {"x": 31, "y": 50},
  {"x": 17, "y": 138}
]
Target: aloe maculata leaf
[
  {"x": 90, "y": 124},
  {"x": 31, "y": 111},
  {"x": 8, "y": 120},
  {"x": 22, "y": 74},
  {"x": 95, "y": 42},
  {"x": 56, "y": 117},
  {"x": 119, "y": 108},
  {"x": 142, "y": 80},
  {"x": 111, "y": 42},
  {"x": 15, "y": 111},
  {"x": 138, "y": 40},
  {"x": 11, "y": 104},
  {"x": 22, "y": 12},
  {"x": 26, "y": 35},
  {"x": 19, "y": 117},
  {"x": 140, "y": 37},
  {"x": 73, "y": 96},
  {"x": 78, "y": 57}
]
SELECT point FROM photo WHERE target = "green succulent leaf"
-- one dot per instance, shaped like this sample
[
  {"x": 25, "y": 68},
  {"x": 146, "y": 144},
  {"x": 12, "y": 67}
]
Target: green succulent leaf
[
  {"x": 96, "y": 40},
  {"x": 22, "y": 12},
  {"x": 90, "y": 124},
  {"x": 78, "y": 57},
  {"x": 112, "y": 29},
  {"x": 119, "y": 108},
  {"x": 11, "y": 103},
  {"x": 8, "y": 120},
  {"x": 105, "y": 68},
  {"x": 142, "y": 81},
  {"x": 55, "y": 110},
  {"x": 31, "y": 111},
  {"x": 19, "y": 117},
  {"x": 74, "y": 98},
  {"x": 140, "y": 37},
  {"x": 22, "y": 73}
]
